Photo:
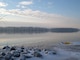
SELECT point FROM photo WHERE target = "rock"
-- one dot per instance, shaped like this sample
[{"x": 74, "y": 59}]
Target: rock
[
  {"x": 26, "y": 56},
  {"x": 3, "y": 54},
  {"x": 16, "y": 54},
  {"x": 1, "y": 57},
  {"x": 22, "y": 50},
  {"x": 13, "y": 48},
  {"x": 6, "y": 47},
  {"x": 39, "y": 50},
  {"x": 45, "y": 49},
  {"x": 8, "y": 56},
  {"x": 28, "y": 51},
  {"x": 46, "y": 52},
  {"x": 54, "y": 52},
  {"x": 37, "y": 54},
  {"x": 24, "y": 53},
  {"x": 22, "y": 47},
  {"x": 12, "y": 58}
]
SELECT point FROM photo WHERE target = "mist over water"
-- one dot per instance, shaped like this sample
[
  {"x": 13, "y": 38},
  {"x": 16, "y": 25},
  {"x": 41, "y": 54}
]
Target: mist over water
[{"x": 37, "y": 39}]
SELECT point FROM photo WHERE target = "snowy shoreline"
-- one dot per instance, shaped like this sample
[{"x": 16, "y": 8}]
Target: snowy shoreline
[{"x": 60, "y": 52}]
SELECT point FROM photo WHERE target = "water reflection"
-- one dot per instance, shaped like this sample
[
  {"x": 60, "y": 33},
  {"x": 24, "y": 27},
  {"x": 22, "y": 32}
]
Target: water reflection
[{"x": 37, "y": 39}]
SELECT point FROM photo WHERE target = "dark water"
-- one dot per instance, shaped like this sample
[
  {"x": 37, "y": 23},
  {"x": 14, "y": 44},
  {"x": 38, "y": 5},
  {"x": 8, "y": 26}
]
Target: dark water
[{"x": 37, "y": 39}]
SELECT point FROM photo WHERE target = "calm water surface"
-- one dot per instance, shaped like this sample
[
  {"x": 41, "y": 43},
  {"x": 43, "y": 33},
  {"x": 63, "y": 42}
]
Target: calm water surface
[{"x": 37, "y": 39}]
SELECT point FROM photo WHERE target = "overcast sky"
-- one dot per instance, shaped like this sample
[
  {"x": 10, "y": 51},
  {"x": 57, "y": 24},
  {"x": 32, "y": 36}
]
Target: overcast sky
[{"x": 44, "y": 13}]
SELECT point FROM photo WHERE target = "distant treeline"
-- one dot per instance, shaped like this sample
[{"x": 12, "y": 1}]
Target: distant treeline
[
  {"x": 64, "y": 30},
  {"x": 23, "y": 30},
  {"x": 36, "y": 30}
]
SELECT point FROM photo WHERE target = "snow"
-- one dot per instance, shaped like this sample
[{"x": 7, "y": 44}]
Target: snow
[{"x": 23, "y": 53}]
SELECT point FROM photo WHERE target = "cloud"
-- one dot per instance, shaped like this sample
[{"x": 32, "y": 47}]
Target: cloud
[
  {"x": 2, "y": 4},
  {"x": 21, "y": 6},
  {"x": 46, "y": 17},
  {"x": 25, "y": 3},
  {"x": 32, "y": 13},
  {"x": 36, "y": 13},
  {"x": 36, "y": 16},
  {"x": 29, "y": 12}
]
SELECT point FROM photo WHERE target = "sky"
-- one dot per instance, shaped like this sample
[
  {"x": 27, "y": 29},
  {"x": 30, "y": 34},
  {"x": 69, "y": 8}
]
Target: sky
[{"x": 43, "y": 13}]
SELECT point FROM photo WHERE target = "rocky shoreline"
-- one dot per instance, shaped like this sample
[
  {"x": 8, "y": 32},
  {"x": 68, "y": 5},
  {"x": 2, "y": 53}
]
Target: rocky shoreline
[{"x": 34, "y": 53}]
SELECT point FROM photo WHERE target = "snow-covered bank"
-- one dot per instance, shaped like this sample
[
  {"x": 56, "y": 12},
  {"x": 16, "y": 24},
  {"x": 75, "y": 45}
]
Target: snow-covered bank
[{"x": 23, "y": 53}]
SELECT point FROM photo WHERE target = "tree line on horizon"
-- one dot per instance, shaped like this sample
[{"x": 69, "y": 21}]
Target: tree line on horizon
[{"x": 36, "y": 30}]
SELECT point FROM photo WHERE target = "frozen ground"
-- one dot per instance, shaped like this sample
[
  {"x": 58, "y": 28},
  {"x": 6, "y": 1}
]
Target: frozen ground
[{"x": 60, "y": 52}]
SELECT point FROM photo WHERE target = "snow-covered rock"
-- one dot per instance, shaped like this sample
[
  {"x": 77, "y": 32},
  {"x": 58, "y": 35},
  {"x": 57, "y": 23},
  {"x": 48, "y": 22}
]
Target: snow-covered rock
[{"x": 22, "y": 53}]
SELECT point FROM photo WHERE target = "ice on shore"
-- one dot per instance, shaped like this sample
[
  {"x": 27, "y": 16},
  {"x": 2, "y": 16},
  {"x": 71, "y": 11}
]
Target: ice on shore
[{"x": 23, "y": 53}]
